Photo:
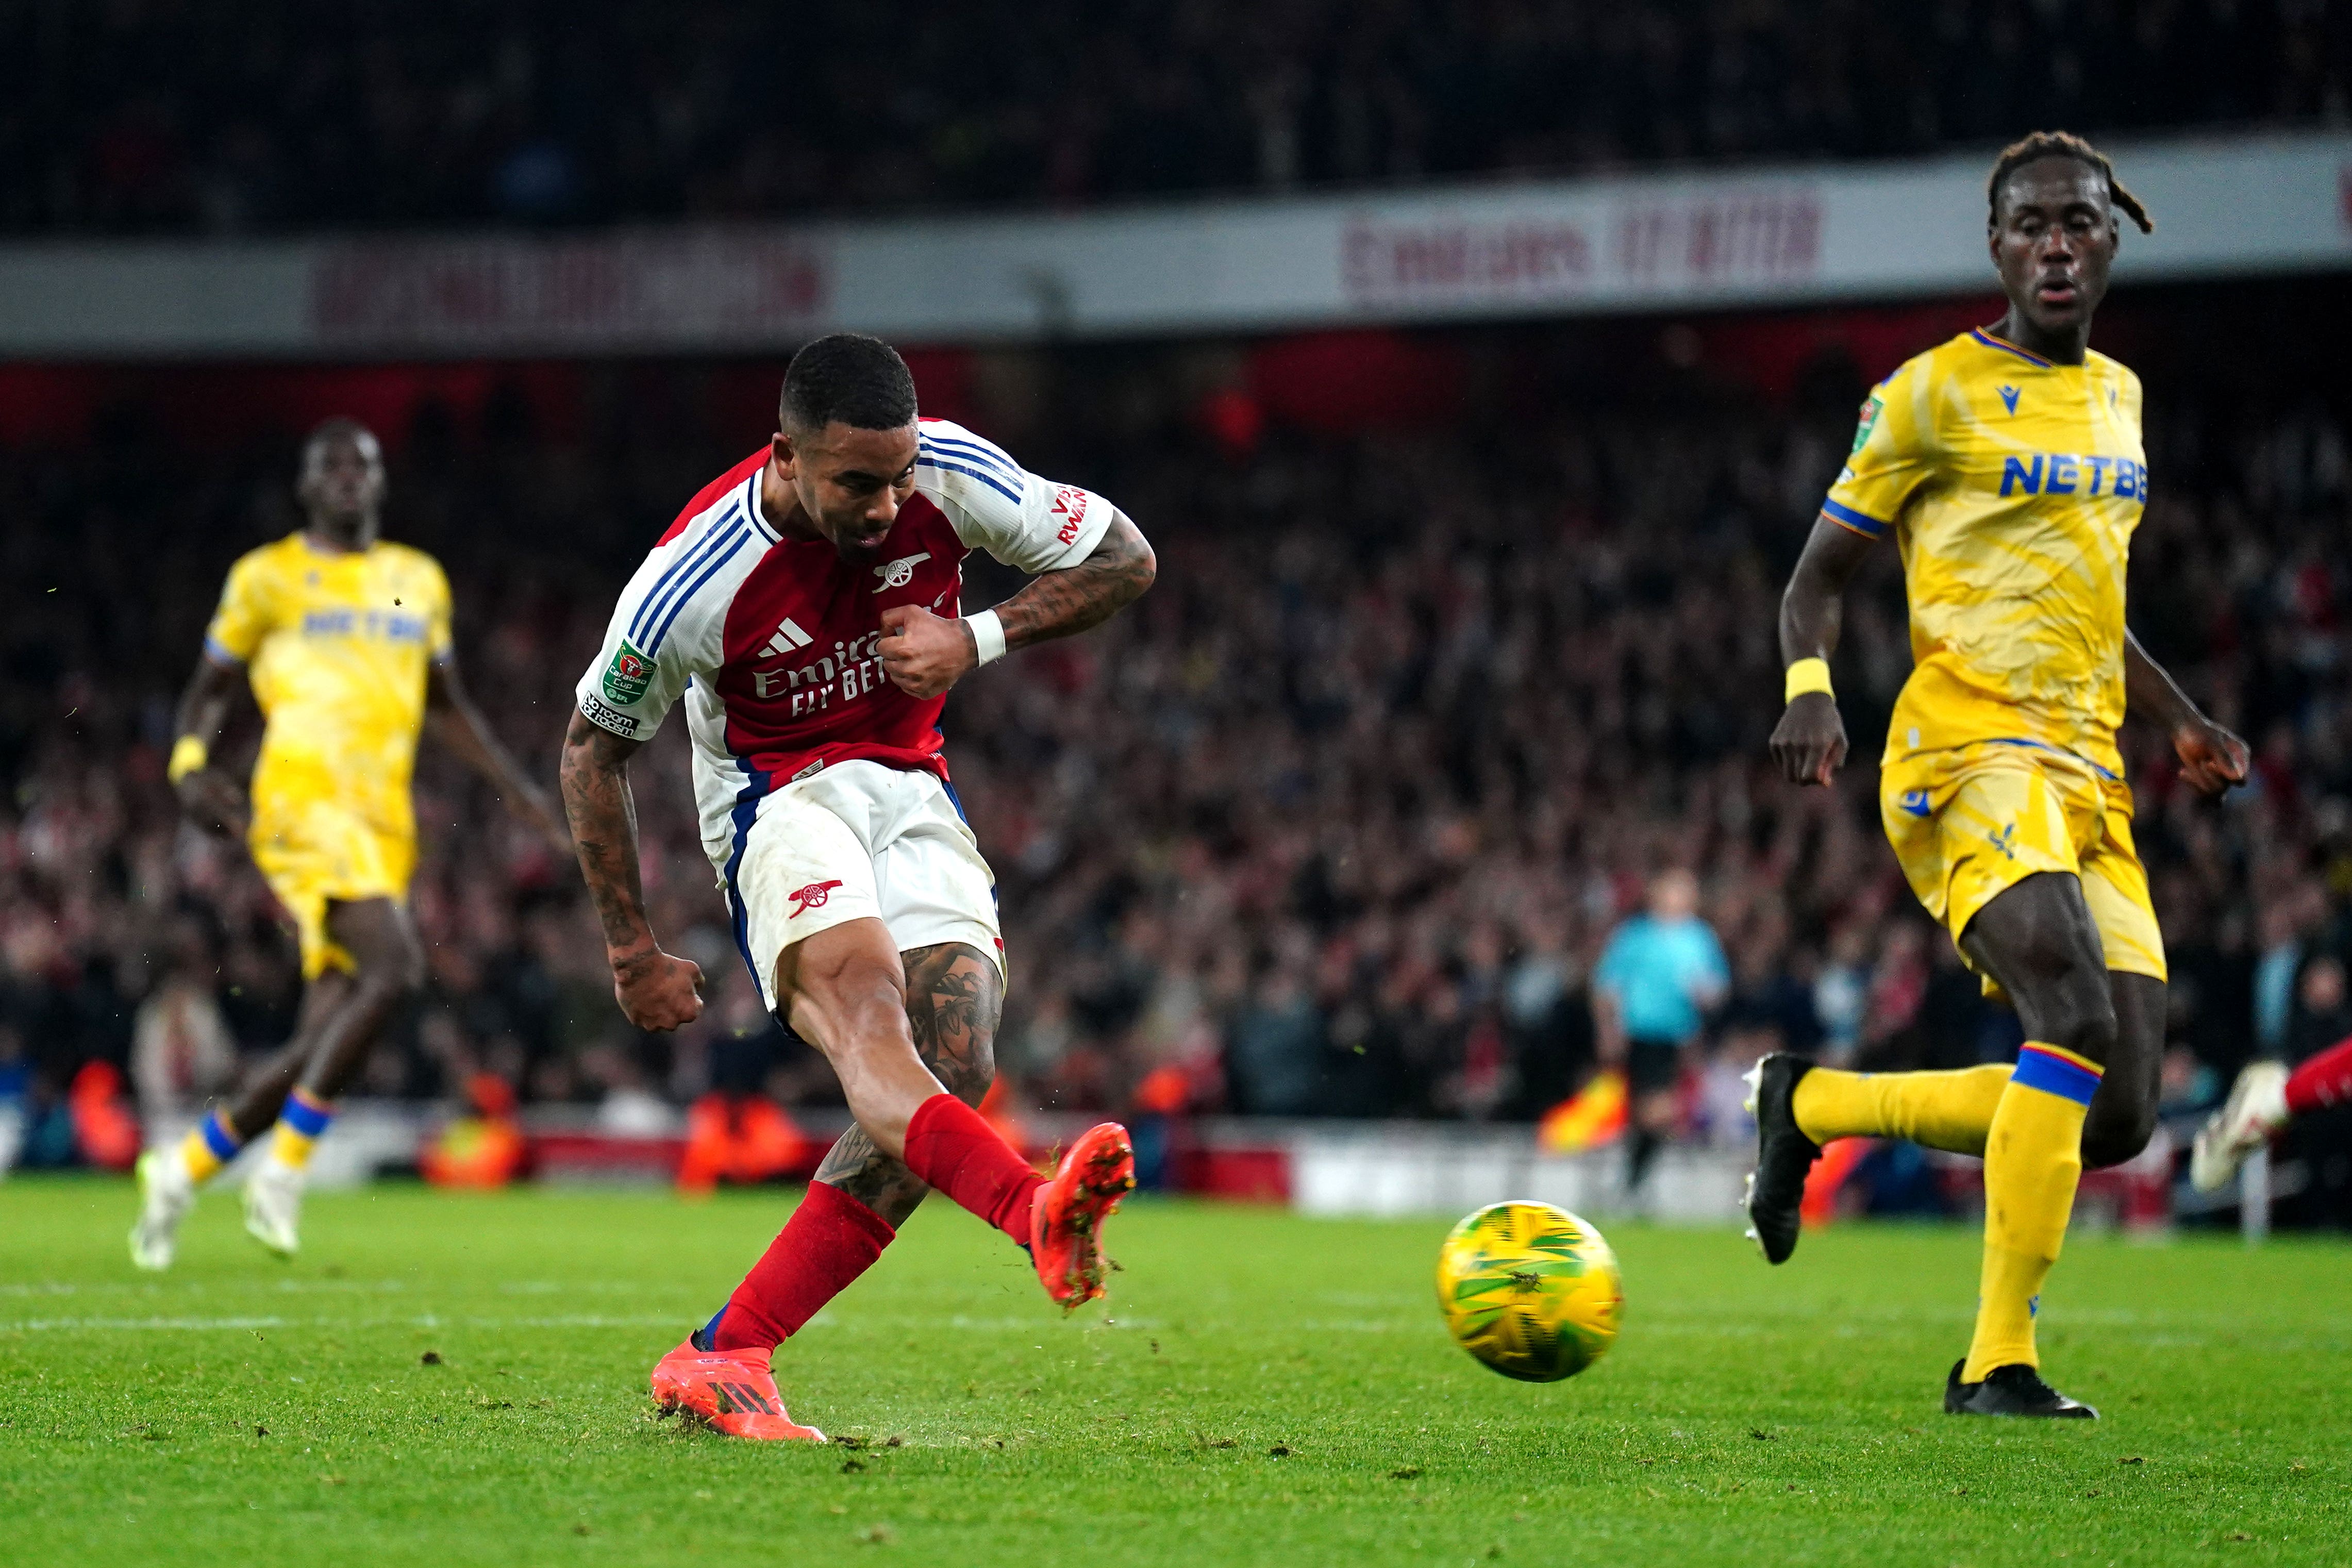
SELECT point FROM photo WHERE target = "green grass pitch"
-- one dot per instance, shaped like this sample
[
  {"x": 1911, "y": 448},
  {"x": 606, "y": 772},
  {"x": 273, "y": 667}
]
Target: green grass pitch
[{"x": 1267, "y": 1389}]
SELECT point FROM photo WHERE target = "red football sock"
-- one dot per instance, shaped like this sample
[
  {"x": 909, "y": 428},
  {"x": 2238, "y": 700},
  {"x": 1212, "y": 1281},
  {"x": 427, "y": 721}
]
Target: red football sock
[
  {"x": 2325, "y": 1079},
  {"x": 951, "y": 1149},
  {"x": 830, "y": 1240}
]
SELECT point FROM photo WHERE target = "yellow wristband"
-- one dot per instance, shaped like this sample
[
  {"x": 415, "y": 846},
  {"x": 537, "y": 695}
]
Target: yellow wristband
[
  {"x": 1808, "y": 675},
  {"x": 188, "y": 755}
]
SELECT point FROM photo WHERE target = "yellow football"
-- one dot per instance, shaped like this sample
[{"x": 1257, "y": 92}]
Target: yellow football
[{"x": 1530, "y": 1289}]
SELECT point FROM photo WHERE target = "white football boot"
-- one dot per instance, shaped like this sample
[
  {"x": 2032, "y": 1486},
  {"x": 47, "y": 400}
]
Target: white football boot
[
  {"x": 273, "y": 1205},
  {"x": 2255, "y": 1109},
  {"x": 166, "y": 1194}
]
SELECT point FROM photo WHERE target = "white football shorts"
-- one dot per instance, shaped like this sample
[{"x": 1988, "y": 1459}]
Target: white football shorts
[{"x": 858, "y": 840}]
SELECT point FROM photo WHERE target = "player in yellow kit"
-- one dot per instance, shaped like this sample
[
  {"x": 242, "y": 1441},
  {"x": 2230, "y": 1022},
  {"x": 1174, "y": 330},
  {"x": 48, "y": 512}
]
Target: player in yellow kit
[
  {"x": 345, "y": 638},
  {"x": 2007, "y": 464}
]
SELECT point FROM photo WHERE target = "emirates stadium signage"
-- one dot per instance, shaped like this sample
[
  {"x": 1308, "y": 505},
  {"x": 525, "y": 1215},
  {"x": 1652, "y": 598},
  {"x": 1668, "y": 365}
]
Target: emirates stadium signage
[
  {"x": 1764, "y": 236},
  {"x": 590, "y": 294},
  {"x": 1638, "y": 243}
]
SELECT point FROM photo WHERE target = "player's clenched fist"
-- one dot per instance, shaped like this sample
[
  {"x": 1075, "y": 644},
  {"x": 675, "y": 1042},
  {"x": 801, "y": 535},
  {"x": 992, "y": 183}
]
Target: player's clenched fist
[
  {"x": 658, "y": 990},
  {"x": 922, "y": 653},
  {"x": 214, "y": 803},
  {"x": 1810, "y": 741},
  {"x": 2211, "y": 757}
]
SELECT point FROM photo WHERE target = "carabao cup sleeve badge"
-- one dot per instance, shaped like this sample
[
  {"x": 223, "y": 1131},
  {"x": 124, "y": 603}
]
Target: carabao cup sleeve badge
[
  {"x": 627, "y": 678},
  {"x": 1871, "y": 410}
]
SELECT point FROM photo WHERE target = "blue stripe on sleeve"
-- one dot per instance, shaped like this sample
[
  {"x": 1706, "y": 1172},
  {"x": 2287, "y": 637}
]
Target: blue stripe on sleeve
[
  {"x": 2055, "y": 1075},
  {"x": 218, "y": 654},
  {"x": 684, "y": 562},
  {"x": 979, "y": 451},
  {"x": 687, "y": 562},
  {"x": 741, "y": 537},
  {"x": 983, "y": 475},
  {"x": 1862, "y": 522}
]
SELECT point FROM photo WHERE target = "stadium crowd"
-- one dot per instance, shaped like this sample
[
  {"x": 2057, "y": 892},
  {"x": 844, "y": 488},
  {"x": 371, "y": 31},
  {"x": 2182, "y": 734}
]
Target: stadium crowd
[
  {"x": 1336, "y": 822},
  {"x": 229, "y": 116}
]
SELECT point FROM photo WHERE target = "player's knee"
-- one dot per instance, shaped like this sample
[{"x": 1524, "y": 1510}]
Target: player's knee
[
  {"x": 968, "y": 1080},
  {"x": 872, "y": 1000},
  {"x": 2114, "y": 1133},
  {"x": 856, "y": 996},
  {"x": 2087, "y": 1031},
  {"x": 2079, "y": 1016},
  {"x": 396, "y": 974}
]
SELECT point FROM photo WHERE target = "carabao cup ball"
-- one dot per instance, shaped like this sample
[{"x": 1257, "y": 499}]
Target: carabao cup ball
[{"x": 1531, "y": 1290}]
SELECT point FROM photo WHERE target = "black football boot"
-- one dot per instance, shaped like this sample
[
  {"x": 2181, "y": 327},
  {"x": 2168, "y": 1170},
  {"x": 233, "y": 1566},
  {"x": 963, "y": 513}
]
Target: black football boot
[
  {"x": 2010, "y": 1390},
  {"x": 1776, "y": 1188}
]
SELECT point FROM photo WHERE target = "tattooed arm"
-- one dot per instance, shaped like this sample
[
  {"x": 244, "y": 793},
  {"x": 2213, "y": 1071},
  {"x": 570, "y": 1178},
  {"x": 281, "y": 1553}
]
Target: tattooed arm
[
  {"x": 924, "y": 654},
  {"x": 1080, "y": 598},
  {"x": 656, "y": 990},
  {"x": 955, "y": 997}
]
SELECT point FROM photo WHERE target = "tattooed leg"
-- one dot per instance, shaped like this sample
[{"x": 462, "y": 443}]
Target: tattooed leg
[{"x": 955, "y": 999}]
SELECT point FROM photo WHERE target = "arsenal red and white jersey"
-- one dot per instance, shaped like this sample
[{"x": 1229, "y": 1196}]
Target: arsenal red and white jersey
[{"x": 774, "y": 642}]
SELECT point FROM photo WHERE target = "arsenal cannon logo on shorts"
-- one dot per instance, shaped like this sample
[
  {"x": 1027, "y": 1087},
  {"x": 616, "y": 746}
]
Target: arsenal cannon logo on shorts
[{"x": 811, "y": 897}]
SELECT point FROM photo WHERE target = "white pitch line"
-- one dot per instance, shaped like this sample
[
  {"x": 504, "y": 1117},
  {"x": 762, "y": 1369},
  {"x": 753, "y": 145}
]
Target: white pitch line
[
  {"x": 424, "y": 1320},
  {"x": 135, "y": 1325},
  {"x": 887, "y": 1322}
]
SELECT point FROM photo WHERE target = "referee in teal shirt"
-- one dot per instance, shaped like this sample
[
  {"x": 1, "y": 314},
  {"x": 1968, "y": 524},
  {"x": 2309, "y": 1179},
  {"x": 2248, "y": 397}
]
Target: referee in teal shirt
[{"x": 1659, "y": 976}]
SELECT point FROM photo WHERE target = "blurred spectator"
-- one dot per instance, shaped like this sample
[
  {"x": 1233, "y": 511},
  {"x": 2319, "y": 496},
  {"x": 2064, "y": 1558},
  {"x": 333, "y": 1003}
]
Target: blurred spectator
[
  {"x": 483, "y": 1148},
  {"x": 2321, "y": 1140},
  {"x": 15, "y": 1083},
  {"x": 741, "y": 1139},
  {"x": 234, "y": 115},
  {"x": 106, "y": 1134},
  {"x": 1549, "y": 1021},
  {"x": 2287, "y": 926},
  {"x": 1842, "y": 993},
  {"x": 1273, "y": 1054},
  {"x": 182, "y": 1053},
  {"x": 1660, "y": 975},
  {"x": 2323, "y": 1012},
  {"x": 628, "y": 1107}
]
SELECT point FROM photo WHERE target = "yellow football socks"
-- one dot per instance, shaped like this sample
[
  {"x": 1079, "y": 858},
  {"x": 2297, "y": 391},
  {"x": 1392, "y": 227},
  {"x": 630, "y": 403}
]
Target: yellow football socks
[
  {"x": 212, "y": 1144},
  {"x": 1948, "y": 1111},
  {"x": 2034, "y": 1156},
  {"x": 299, "y": 1124}
]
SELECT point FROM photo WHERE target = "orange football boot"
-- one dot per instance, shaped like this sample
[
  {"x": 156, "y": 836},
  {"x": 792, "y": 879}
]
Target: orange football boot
[
  {"x": 730, "y": 1392},
  {"x": 1066, "y": 1216}
]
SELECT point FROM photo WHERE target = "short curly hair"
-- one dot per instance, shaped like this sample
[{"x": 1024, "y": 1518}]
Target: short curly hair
[
  {"x": 2061, "y": 144},
  {"x": 858, "y": 380}
]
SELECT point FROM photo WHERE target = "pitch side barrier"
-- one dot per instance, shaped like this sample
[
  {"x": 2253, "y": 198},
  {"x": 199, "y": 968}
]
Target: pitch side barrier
[
  {"x": 1749, "y": 237},
  {"x": 1378, "y": 1169}
]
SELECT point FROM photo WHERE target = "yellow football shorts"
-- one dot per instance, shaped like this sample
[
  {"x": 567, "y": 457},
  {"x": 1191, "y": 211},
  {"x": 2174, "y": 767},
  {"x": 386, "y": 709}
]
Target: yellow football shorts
[
  {"x": 313, "y": 852},
  {"x": 1970, "y": 822}
]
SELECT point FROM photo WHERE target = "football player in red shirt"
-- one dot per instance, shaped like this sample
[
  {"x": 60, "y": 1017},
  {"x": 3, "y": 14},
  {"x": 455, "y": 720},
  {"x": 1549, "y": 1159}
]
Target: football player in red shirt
[{"x": 806, "y": 607}]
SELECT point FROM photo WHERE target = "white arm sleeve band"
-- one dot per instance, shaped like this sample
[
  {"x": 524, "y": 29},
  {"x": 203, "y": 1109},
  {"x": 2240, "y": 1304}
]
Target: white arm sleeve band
[{"x": 987, "y": 634}]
